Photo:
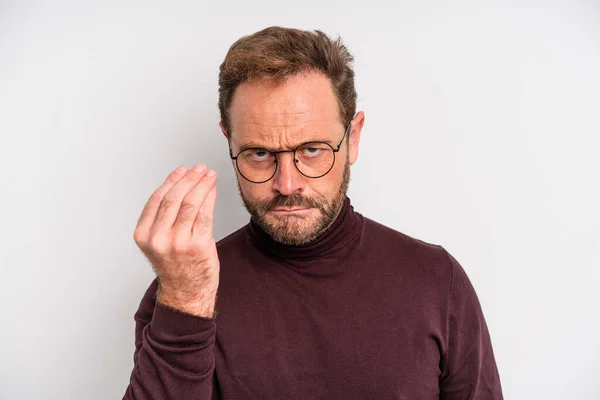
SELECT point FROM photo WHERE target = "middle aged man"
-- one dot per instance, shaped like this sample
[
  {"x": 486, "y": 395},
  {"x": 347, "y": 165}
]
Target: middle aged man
[{"x": 315, "y": 301}]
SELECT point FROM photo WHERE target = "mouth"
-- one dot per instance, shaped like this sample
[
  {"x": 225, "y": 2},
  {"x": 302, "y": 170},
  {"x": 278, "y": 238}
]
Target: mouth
[{"x": 290, "y": 211}]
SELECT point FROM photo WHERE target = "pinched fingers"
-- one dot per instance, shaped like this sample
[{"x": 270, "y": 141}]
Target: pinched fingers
[
  {"x": 150, "y": 210},
  {"x": 171, "y": 203}
]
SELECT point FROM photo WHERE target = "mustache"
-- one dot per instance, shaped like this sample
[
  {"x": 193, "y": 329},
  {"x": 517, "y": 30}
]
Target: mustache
[{"x": 294, "y": 200}]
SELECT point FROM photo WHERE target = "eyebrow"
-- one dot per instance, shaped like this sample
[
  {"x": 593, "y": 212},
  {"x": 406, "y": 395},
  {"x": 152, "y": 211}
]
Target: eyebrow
[{"x": 256, "y": 145}]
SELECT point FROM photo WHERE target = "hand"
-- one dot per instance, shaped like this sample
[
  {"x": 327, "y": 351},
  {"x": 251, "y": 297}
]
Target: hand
[{"x": 175, "y": 233}]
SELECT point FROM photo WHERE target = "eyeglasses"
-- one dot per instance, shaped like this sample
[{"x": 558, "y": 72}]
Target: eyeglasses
[{"x": 312, "y": 159}]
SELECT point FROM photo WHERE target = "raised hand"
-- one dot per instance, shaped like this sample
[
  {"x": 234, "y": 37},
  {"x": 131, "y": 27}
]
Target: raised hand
[{"x": 175, "y": 233}]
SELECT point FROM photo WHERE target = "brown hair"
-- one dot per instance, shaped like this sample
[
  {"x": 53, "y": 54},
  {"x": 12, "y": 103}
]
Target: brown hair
[{"x": 276, "y": 53}]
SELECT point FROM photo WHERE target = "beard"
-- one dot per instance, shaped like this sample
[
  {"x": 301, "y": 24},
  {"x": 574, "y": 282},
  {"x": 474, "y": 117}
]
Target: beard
[{"x": 292, "y": 230}]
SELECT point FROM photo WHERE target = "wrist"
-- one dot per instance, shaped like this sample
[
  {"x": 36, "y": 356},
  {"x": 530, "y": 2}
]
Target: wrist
[{"x": 199, "y": 302}]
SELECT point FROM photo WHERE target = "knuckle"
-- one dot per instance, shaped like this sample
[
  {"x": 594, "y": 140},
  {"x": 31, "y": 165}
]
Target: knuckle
[
  {"x": 186, "y": 178},
  {"x": 156, "y": 244},
  {"x": 139, "y": 237},
  {"x": 179, "y": 244},
  {"x": 204, "y": 221},
  {"x": 167, "y": 204},
  {"x": 192, "y": 175},
  {"x": 187, "y": 211},
  {"x": 169, "y": 199},
  {"x": 174, "y": 177},
  {"x": 161, "y": 214},
  {"x": 155, "y": 197}
]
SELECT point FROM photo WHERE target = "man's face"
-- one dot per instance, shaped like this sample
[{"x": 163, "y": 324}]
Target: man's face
[{"x": 292, "y": 208}]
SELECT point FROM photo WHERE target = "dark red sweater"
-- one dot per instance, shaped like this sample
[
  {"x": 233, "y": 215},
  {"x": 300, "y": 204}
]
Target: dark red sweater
[{"x": 364, "y": 312}]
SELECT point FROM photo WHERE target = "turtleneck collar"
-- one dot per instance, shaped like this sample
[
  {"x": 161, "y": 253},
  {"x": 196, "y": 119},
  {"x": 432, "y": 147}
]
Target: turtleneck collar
[{"x": 344, "y": 229}]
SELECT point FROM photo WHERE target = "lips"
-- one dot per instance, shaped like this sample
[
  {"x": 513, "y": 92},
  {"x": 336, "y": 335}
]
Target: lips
[{"x": 289, "y": 209}]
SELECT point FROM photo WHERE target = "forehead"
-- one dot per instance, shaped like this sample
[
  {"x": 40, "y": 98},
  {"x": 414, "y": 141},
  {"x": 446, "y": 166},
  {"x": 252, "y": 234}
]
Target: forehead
[{"x": 302, "y": 105}]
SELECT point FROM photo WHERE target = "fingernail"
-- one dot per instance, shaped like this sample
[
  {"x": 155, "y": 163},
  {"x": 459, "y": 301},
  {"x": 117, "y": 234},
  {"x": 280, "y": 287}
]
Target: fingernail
[
  {"x": 200, "y": 168},
  {"x": 211, "y": 173},
  {"x": 181, "y": 170}
]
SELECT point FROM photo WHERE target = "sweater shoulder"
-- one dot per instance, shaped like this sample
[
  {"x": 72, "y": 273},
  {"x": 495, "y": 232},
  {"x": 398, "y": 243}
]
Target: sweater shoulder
[
  {"x": 388, "y": 234},
  {"x": 408, "y": 251}
]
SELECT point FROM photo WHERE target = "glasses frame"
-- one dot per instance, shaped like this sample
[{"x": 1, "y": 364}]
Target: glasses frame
[{"x": 296, "y": 161}]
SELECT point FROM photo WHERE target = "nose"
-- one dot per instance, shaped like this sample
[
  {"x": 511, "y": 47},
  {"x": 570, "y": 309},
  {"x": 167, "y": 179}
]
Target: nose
[{"x": 287, "y": 179}]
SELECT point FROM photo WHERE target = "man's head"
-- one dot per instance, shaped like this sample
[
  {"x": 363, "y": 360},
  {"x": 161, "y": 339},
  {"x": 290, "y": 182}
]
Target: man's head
[{"x": 278, "y": 89}]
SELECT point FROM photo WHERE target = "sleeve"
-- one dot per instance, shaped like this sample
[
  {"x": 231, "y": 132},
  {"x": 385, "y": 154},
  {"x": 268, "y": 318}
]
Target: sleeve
[
  {"x": 468, "y": 366},
  {"x": 174, "y": 353}
]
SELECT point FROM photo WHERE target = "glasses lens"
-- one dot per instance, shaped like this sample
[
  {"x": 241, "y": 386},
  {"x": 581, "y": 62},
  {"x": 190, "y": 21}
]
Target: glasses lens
[
  {"x": 256, "y": 165},
  {"x": 315, "y": 159}
]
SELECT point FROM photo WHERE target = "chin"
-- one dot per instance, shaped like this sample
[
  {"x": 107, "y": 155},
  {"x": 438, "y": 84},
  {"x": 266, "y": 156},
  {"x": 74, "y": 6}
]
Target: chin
[{"x": 292, "y": 230}]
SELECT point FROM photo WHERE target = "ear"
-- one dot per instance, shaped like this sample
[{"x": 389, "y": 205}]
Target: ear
[
  {"x": 354, "y": 136},
  {"x": 223, "y": 130}
]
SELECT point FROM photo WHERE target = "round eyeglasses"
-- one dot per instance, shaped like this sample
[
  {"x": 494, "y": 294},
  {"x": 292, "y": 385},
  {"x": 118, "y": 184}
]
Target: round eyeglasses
[{"x": 312, "y": 159}]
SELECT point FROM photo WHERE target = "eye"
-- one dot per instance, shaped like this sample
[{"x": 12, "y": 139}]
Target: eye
[
  {"x": 312, "y": 151},
  {"x": 258, "y": 155}
]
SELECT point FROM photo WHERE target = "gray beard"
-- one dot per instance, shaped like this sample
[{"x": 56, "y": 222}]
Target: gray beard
[{"x": 290, "y": 233}]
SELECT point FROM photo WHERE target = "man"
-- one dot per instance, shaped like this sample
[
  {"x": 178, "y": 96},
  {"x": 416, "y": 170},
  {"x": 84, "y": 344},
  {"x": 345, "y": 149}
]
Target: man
[{"x": 310, "y": 300}]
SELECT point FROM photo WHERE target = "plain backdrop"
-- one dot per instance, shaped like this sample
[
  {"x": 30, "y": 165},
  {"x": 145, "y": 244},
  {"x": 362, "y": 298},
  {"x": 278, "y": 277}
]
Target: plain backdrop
[{"x": 482, "y": 134}]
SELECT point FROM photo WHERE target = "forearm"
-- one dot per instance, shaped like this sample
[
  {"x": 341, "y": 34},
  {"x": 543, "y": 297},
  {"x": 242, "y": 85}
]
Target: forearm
[{"x": 175, "y": 359}]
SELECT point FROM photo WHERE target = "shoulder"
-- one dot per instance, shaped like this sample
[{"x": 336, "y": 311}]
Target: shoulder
[
  {"x": 416, "y": 255},
  {"x": 397, "y": 241}
]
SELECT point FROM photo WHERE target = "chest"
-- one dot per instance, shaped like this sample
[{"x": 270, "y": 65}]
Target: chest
[{"x": 324, "y": 339}]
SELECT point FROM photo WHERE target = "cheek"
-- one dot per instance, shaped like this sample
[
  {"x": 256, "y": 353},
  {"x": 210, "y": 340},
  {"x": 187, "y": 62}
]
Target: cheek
[
  {"x": 256, "y": 191},
  {"x": 330, "y": 183}
]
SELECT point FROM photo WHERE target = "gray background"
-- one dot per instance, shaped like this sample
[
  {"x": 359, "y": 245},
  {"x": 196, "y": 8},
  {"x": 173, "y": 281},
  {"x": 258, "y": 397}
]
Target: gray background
[{"x": 482, "y": 135}]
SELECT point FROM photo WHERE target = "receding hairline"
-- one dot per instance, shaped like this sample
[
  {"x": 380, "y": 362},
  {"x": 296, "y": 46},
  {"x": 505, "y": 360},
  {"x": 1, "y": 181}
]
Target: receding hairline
[{"x": 277, "y": 53}]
